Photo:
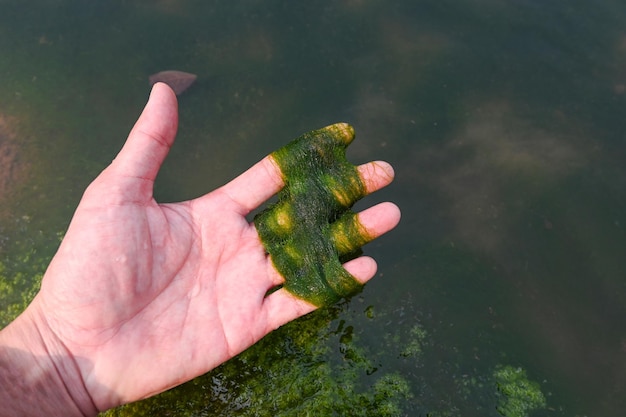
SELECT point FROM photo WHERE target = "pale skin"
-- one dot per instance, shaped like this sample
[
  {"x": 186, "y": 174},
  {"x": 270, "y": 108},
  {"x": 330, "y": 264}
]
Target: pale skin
[{"x": 143, "y": 296}]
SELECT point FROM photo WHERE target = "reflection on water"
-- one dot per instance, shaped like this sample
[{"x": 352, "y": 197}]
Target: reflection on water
[
  {"x": 504, "y": 122},
  {"x": 500, "y": 164}
]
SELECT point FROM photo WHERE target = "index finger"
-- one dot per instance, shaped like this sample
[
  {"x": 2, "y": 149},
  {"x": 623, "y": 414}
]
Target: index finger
[
  {"x": 264, "y": 179},
  {"x": 256, "y": 185}
]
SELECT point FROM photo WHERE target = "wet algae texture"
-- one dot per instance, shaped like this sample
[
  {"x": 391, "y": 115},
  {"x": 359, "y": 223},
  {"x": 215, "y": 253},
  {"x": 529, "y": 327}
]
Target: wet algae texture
[{"x": 311, "y": 229}]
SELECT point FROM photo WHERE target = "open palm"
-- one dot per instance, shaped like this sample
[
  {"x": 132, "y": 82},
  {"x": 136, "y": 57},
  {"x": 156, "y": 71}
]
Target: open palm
[{"x": 144, "y": 296}]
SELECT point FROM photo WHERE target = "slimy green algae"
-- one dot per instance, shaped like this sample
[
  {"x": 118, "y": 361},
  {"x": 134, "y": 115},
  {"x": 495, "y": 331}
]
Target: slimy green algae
[
  {"x": 311, "y": 229},
  {"x": 517, "y": 395}
]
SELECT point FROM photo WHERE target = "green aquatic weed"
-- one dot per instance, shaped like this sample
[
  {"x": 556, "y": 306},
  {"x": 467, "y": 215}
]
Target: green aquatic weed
[
  {"x": 292, "y": 372},
  {"x": 311, "y": 229},
  {"x": 518, "y": 395},
  {"x": 22, "y": 267}
]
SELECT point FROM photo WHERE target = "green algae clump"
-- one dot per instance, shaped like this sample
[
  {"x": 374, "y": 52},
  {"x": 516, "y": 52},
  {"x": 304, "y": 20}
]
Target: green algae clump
[
  {"x": 518, "y": 395},
  {"x": 311, "y": 229}
]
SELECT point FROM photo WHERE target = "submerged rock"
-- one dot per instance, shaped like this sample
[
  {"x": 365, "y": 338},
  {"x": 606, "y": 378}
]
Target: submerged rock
[{"x": 179, "y": 81}]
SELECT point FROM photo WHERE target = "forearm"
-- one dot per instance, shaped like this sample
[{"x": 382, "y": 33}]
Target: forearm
[{"x": 37, "y": 379}]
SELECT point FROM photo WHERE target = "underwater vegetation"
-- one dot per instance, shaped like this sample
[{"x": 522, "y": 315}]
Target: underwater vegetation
[
  {"x": 21, "y": 271},
  {"x": 319, "y": 366},
  {"x": 291, "y": 372},
  {"x": 517, "y": 395},
  {"x": 311, "y": 230}
]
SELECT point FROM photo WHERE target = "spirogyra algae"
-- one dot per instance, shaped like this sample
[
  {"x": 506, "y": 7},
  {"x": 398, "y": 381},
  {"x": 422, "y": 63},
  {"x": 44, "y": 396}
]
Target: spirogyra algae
[{"x": 311, "y": 229}]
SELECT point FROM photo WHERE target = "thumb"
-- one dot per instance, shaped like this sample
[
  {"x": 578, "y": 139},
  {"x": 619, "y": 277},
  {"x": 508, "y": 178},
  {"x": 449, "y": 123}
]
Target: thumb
[{"x": 150, "y": 139}]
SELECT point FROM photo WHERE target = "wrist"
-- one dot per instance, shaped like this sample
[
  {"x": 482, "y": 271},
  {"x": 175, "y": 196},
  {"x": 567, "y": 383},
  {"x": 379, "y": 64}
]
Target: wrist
[{"x": 37, "y": 374}]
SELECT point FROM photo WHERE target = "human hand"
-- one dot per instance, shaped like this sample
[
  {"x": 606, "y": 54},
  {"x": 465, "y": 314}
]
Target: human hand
[{"x": 143, "y": 296}]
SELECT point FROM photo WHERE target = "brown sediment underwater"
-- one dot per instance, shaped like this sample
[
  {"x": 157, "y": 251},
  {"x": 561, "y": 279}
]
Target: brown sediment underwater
[{"x": 14, "y": 169}]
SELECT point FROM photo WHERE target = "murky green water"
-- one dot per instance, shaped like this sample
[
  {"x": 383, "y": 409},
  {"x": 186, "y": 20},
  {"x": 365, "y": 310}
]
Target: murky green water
[{"x": 505, "y": 122}]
